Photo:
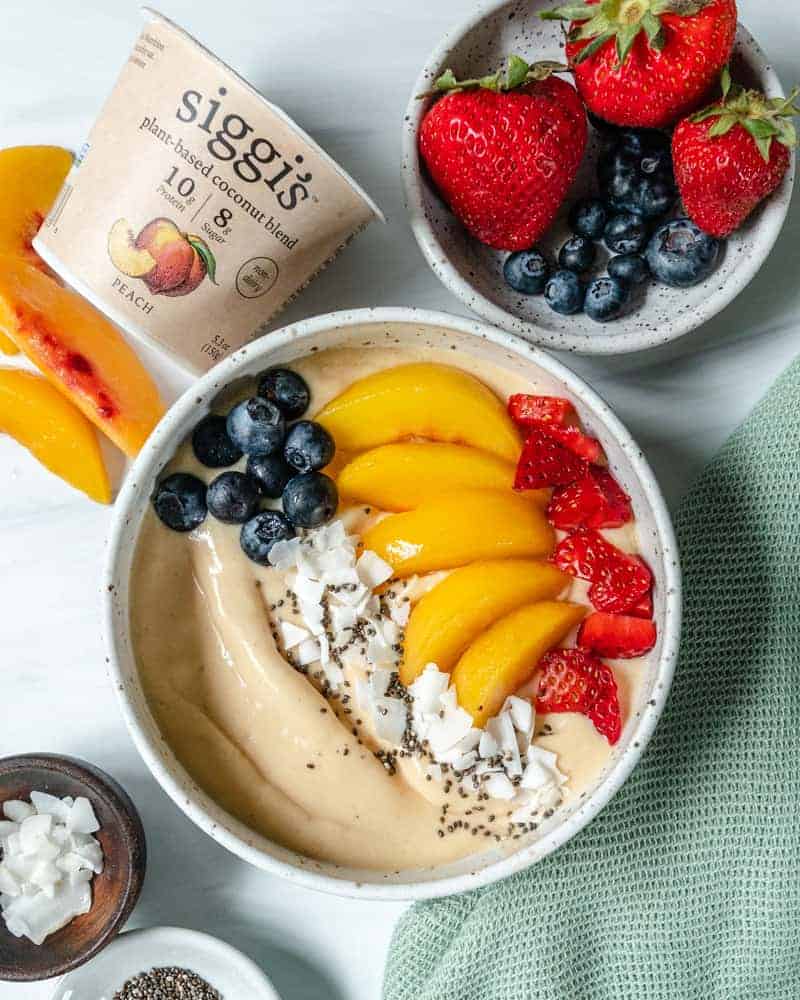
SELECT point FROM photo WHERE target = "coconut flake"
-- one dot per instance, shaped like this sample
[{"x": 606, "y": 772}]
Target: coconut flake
[
  {"x": 48, "y": 863},
  {"x": 372, "y": 570},
  {"x": 17, "y": 811},
  {"x": 292, "y": 635},
  {"x": 81, "y": 817},
  {"x": 390, "y": 719}
]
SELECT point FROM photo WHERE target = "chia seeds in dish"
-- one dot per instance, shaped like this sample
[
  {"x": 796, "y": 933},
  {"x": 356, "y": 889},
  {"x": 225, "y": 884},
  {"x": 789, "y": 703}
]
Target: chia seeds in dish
[{"x": 167, "y": 983}]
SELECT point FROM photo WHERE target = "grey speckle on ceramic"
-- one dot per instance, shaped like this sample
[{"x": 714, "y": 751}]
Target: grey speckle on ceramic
[
  {"x": 473, "y": 272},
  {"x": 412, "y": 328}
]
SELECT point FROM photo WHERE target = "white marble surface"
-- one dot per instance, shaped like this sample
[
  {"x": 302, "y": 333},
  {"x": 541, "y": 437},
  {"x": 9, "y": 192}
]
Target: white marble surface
[{"x": 343, "y": 70}]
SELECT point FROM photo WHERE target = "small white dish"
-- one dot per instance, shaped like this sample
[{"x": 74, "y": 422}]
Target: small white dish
[
  {"x": 415, "y": 329},
  {"x": 230, "y": 972},
  {"x": 473, "y": 272}
]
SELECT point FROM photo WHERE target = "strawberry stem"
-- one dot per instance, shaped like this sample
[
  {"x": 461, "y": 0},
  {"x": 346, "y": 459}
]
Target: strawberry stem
[
  {"x": 764, "y": 118},
  {"x": 515, "y": 74},
  {"x": 620, "y": 20}
]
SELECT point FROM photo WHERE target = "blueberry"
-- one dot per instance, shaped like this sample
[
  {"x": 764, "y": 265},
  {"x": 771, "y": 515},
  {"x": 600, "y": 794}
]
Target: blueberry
[
  {"x": 616, "y": 162},
  {"x": 526, "y": 271},
  {"x": 680, "y": 254},
  {"x": 588, "y": 217},
  {"x": 625, "y": 233},
  {"x": 211, "y": 444},
  {"x": 180, "y": 501},
  {"x": 261, "y": 532},
  {"x": 564, "y": 293},
  {"x": 631, "y": 268},
  {"x": 310, "y": 499},
  {"x": 659, "y": 161},
  {"x": 288, "y": 390},
  {"x": 656, "y": 196},
  {"x": 308, "y": 446},
  {"x": 271, "y": 474},
  {"x": 577, "y": 254},
  {"x": 605, "y": 299},
  {"x": 640, "y": 142},
  {"x": 232, "y": 497},
  {"x": 256, "y": 426}
]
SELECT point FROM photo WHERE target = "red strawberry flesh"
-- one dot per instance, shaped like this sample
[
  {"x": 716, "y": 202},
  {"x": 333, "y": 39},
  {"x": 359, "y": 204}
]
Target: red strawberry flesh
[
  {"x": 544, "y": 462},
  {"x": 617, "y": 636},
  {"x": 596, "y": 501},
  {"x": 574, "y": 439},
  {"x": 572, "y": 680},
  {"x": 618, "y": 581},
  {"x": 528, "y": 410}
]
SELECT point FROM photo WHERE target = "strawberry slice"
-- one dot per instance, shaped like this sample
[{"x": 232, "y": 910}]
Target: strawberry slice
[
  {"x": 572, "y": 680},
  {"x": 644, "y": 609},
  {"x": 528, "y": 411},
  {"x": 617, "y": 509},
  {"x": 545, "y": 462},
  {"x": 617, "y": 636},
  {"x": 596, "y": 501},
  {"x": 581, "y": 444},
  {"x": 619, "y": 581},
  {"x": 577, "y": 505}
]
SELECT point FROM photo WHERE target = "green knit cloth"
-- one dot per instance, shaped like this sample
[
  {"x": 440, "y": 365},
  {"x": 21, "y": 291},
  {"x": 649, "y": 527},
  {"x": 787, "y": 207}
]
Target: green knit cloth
[{"x": 688, "y": 883}]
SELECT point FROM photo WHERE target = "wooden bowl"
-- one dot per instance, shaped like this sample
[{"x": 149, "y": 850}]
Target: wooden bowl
[{"x": 114, "y": 892}]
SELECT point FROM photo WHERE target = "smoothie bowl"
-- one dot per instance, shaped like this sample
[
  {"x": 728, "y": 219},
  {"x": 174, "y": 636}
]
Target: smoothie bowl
[{"x": 392, "y": 604}]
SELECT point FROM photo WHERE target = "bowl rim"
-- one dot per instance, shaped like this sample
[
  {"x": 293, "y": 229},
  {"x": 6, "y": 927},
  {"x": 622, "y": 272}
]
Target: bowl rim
[
  {"x": 152, "y": 457},
  {"x": 609, "y": 343},
  {"x": 157, "y": 935},
  {"x": 102, "y": 785}
]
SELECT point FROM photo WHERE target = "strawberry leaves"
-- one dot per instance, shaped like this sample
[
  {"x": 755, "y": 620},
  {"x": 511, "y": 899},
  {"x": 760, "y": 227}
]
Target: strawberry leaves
[
  {"x": 765, "y": 119},
  {"x": 514, "y": 75},
  {"x": 620, "y": 20}
]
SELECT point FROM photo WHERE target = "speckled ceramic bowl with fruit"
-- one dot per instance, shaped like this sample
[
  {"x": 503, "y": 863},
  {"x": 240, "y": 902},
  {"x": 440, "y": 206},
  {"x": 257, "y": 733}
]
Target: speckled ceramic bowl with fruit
[
  {"x": 417, "y": 330},
  {"x": 474, "y": 272}
]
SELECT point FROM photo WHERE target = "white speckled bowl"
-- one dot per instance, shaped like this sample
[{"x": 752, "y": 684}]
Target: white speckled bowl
[
  {"x": 364, "y": 329},
  {"x": 473, "y": 272}
]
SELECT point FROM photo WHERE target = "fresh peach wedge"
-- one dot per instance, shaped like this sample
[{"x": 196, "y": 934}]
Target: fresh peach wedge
[
  {"x": 506, "y": 655},
  {"x": 81, "y": 352},
  {"x": 399, "y": 477},
  {"x": 420, "y": 401},
  {"x": 453, "y": 529},
  {"x": 457, "y": 610},
  {"x": 36, "y": 415},
  {"x": 30, "y": 179}
]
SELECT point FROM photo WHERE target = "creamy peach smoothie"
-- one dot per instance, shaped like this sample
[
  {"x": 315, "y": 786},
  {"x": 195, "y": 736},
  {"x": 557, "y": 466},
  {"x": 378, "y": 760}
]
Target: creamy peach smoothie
[{"x": 294, "y": 756}]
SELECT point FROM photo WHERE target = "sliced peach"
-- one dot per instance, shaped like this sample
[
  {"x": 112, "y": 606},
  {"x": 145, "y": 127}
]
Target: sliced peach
[
  {"x": 401, "y": 476},
  {"x": 35, "y": 414},
  {"x": 423, "y": 401},
  {"x": 506, "y": 655},
  {"x": 7, "y": 346},
  {"x": 452, "y": 615},
  {"x": 81, "y": 352},
  {"x": 30, "y": 179},
  {"x": 125, "y": 255},
  {"x": 453, "y": 529}
]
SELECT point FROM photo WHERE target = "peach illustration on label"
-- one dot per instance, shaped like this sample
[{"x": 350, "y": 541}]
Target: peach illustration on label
[{"x": 170, "y": 262}]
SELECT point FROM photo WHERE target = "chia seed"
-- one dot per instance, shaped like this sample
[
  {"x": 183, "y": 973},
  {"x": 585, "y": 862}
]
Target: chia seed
[{"x": 167, "y": 983}]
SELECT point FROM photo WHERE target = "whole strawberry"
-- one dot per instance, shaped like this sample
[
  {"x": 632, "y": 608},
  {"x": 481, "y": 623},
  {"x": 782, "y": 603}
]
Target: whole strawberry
[
  {"x": 504, "y": 150},
  {"x": 731, "y": 155},
  {"x": 646, "y": 63}
]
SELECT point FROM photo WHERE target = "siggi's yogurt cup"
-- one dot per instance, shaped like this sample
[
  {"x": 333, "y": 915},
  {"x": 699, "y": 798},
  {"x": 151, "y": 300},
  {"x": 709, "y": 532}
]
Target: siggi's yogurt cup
[{"x": 196, "y": 209}]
